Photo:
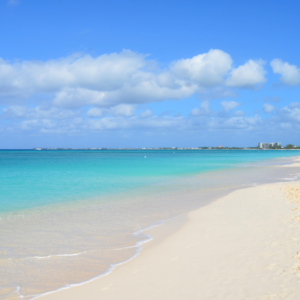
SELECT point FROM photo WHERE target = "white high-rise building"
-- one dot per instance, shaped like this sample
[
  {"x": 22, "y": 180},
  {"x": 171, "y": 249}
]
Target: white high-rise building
[{"x": 268, "y": 145}]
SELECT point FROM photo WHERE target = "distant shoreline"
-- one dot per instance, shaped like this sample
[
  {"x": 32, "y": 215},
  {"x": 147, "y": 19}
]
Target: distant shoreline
[{"x": 142, "y": 149}]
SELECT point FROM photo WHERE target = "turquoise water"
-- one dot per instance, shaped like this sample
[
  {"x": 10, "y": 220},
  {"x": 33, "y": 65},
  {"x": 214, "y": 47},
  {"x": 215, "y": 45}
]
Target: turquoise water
[
  {"x": 34, "y": 178},
  {"x": 69, "y": 216}
]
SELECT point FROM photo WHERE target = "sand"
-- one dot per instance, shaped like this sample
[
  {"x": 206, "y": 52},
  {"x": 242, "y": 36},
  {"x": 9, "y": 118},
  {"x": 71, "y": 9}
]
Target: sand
[
  {"x": 291, "y": 165},
  {"x": 243, "y": 246}
]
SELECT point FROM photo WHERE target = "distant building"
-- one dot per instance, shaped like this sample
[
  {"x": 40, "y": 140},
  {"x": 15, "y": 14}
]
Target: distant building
[{"x": 268, "y": 145}]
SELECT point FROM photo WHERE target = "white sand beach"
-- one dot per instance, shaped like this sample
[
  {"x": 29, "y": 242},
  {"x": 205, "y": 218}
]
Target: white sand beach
[{"x": 245, "y": 245}]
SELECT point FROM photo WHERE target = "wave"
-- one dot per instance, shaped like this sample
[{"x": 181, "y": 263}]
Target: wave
[{"x": 112, "y": 266}]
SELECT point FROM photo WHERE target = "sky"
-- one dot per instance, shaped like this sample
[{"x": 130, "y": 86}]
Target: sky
[{"x": 153, "y": 73}]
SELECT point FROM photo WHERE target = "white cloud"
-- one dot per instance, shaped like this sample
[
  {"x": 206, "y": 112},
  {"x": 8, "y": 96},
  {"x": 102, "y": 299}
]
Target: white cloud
[
  {"x": 81, "y": 93},
  {"x": 95, "y": 112},
  {"x": 229, "y": 105},
  {"x": 146, "y": 113},
  {"x": 121, "y": 78},
  {"x": 239, "y": 113},
  {"x": 203, "y": 110},
  {"x": 288, "y": 117},
  {"x": 40, "y": 112},
  {"x": 62, "y": 121},
  {"x": 123, "y": 110},
  {"x": 79, "y": 125},
  {"x": 268, "y": 108},
  {"x": 294, "y": 105},
  {"x": 77, "y": 97},
  {"x": 286, "y": 126},
  {"x": 204, "y": 69},
  {"x": 103, "y": 73},
  {"x": 245, "y": 123},
  {"x": 290, "y": 113},
  {"x": 290, "y": 74},
  {"x": 232, "y": 123},
  {"x": 248, "y": 75}
]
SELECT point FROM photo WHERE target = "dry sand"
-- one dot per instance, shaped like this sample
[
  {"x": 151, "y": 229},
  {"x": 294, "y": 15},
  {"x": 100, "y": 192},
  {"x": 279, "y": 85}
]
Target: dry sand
[{"x": 243, "y": 246}]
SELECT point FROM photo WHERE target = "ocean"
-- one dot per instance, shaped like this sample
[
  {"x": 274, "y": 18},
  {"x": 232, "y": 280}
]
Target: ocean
[{"x": 67, "y": 217}]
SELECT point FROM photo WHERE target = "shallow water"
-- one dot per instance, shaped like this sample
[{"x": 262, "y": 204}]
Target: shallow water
[
  {"x": 67, "y": 217},
  {"x": 33, "y": 178}
]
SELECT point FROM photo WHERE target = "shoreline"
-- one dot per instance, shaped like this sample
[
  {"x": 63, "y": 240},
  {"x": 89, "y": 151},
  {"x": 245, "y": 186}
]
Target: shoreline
[
  {"x": 171, "y": 226},
  {"x": 62, "y": 204},
  {"x": 112, "y": 286}
]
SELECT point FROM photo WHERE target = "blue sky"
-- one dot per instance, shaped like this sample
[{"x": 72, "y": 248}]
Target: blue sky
[{"x": 148, "y": 73}]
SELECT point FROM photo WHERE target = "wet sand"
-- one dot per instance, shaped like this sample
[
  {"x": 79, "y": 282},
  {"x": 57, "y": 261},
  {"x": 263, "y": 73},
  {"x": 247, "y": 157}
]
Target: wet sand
[{"x": 245, "y": 245}]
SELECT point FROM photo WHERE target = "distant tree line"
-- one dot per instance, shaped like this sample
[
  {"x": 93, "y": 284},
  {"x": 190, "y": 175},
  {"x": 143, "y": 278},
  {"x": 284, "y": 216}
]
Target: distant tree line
[{"x": 291, "y": 146}]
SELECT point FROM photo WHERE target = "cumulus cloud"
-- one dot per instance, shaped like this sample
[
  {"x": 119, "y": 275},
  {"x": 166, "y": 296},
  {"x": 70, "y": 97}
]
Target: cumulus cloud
[
  {"x": 95, "y": 112},
  {"x": 268, "y": 108},
  {"x": 245, "y": 123},
  {"x": 248, "y": 75},
  {"x": 124, "y": 110},
  {"x": 80, "y": 93},
  {"x": 17, "y": 112},
  {"x": 290, "y": 113},
  {"x": 80, "y": 125},
  {"x": 54, "y": 120},
  {"x": 204, "y": 69},
  {"x": 203, "y": 110},
  {"x": 290, "y": 74},
  {"x": 77, "y": 97},
  {"x": 287, "y": 118},
  {"x": 239, "y": 113},
  {"x": 228, "y": 123},
  {"x": 146, "y": 113},
  {"x": 294, "y": 105},
  {"x": 229, "y": 105},
  {"x": 103, "y": 73},
  {"x": 123, "y": 78}
]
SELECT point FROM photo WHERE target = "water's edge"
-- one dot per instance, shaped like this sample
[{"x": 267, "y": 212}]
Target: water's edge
[{"x": 179, "y": 219}]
